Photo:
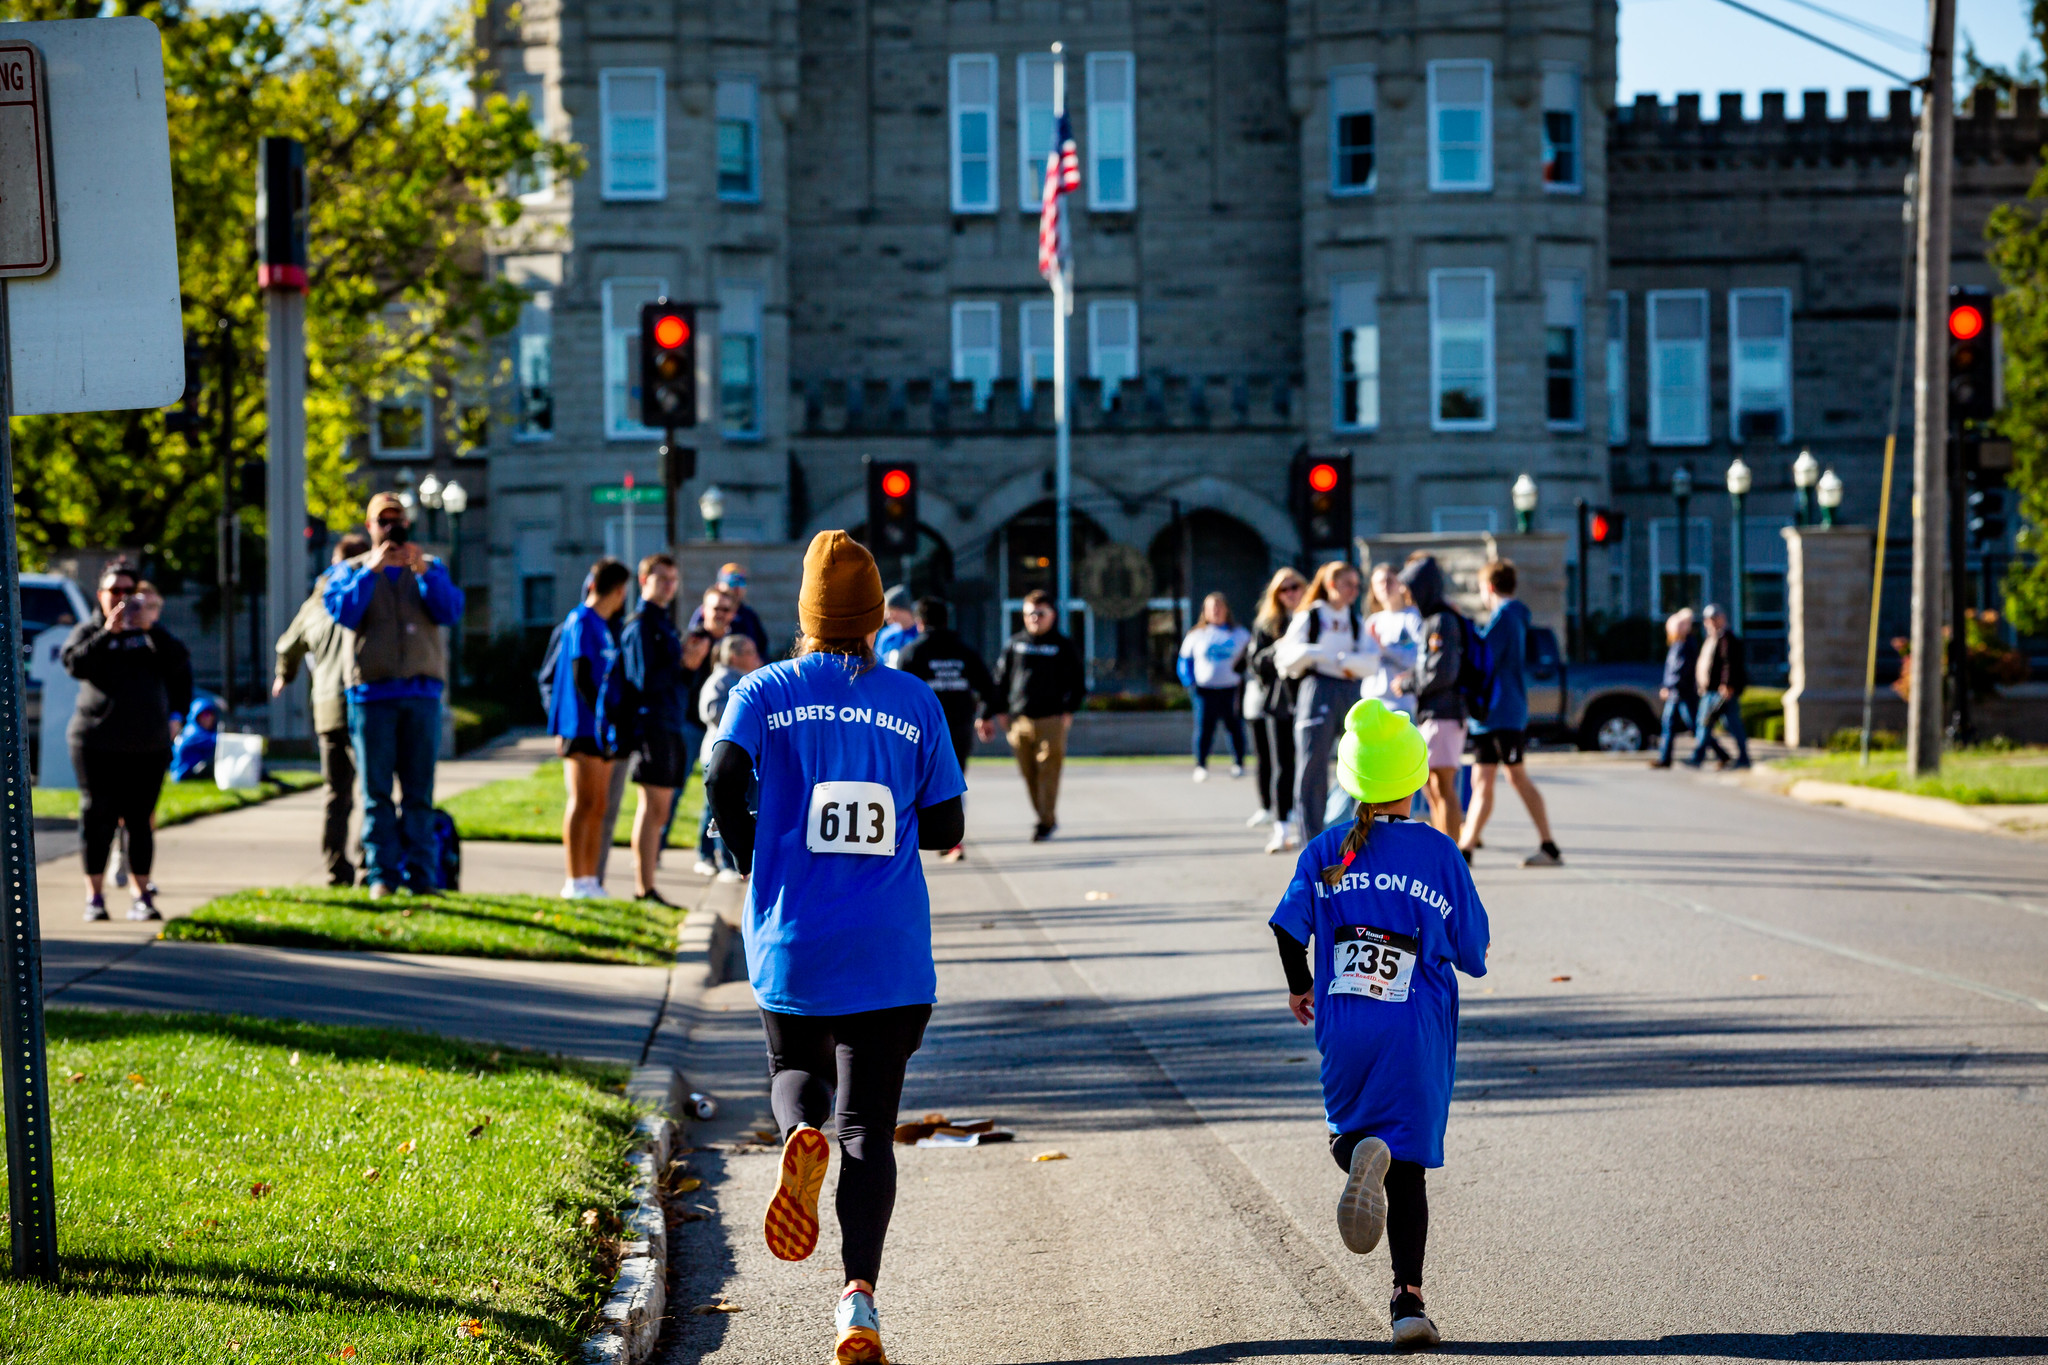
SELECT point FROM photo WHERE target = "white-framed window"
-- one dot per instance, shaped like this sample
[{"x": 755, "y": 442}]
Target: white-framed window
[
  {"x": 1461, "y": 350},
  {"x": 738, "y": 103},
  {"x": 1760, "y": 363},
  {"x": 739, "y": 360},
  {"x": 1563, "y": 157},
  {"x": 1617, "y": 368},
  {"x": 622, "y": 299},
  {"x": 1461, "y": 125},
  {"x": 1678, "y": 367},
  {"x": 635, "y": 142},
  {"x": 1564, "y": 352},
  {"x": 1112, "y": 131},
  {"x": 533, "y": 550},
  {"x": 1354, "y": 101},
  {"x": 1035, "y": 124},
  {"x": 973, "y": 93},
  {"x": 1355, "y": 359},
  {"x": 1670, "y": 586},
  {"x": 402, "y": 428},
  {"x": 978, "y": 346},
  {"x": 1112, "y": 344},
  {"x": 536, "y": 182},
  {"x": 1034, "y": 348},
  {"x": 533, "y": 369},
  {"x": 1457, "y": 520}
]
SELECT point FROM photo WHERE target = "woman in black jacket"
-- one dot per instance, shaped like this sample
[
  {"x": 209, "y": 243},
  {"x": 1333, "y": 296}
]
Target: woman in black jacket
[
  {"x": 132, "y": 683},
  {"x": 1269, "y": 708}
]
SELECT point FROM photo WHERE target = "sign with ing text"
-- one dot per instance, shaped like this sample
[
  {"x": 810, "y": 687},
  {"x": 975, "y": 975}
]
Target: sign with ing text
[{"x": 28, "y": 199}]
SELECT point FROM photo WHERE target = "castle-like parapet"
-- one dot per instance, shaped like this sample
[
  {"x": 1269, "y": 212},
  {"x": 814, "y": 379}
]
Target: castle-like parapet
[{"x": 1986, "y": 129}]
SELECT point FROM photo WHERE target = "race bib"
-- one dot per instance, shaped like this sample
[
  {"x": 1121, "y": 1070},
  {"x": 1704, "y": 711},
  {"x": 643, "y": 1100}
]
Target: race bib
[
  {"x": 852, "y": 817},
  {"x": 1372, "y": 962}
]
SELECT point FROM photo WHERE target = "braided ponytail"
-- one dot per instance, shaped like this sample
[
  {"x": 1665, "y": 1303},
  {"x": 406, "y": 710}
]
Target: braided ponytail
[{"x": 1354, "y": 842}]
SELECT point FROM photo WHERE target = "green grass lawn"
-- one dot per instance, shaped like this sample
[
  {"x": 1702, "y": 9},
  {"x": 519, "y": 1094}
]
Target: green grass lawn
[
  {"x": 1973, "y": 777},
  {"x": 248, "y": 1190},
  {"x": 528, "y": 810},
  {"x": 463, "y": 923},
  {"x": 182, "y": 801}
]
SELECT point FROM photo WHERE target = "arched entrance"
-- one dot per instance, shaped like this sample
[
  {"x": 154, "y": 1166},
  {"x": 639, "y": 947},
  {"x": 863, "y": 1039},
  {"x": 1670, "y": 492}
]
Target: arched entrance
[{"x": 1205, "y": 551}]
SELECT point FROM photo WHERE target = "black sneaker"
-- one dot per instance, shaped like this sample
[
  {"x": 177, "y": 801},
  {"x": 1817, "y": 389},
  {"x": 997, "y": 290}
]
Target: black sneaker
[
  {"x": 654, "y": 897},
  {"x": 1041, "y": 833},
  {"x": 1413, "y": 1331}
]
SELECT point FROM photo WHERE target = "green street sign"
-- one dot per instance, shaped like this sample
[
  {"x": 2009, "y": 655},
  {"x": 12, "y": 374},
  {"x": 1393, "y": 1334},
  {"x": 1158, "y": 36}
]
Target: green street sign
[{"x": 616, "y": 495}]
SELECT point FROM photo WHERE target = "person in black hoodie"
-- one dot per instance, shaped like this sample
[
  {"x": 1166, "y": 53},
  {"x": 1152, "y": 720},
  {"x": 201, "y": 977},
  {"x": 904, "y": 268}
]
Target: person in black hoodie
[
  {"x": 955, "y": 672},
  {"x": 1043, "y": 682},
  {"x": 131, "y": 682},
  {"x": 1433, "y": 682}
]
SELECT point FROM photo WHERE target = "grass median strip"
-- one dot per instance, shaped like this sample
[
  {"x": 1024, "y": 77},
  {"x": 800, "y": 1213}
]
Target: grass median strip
[
  {"x": 1969, "y": 777},
  {"x": 182, "y": 801},
  {"x": 269, "y": 1191},
  {"x": 528, "y": 810},
  {"x": 462, "y": 923}
]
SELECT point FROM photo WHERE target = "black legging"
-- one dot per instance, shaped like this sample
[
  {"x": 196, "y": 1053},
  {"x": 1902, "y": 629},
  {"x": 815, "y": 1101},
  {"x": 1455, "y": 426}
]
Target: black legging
[
  {"x": 861, "y": 1057},
  {"x": 1407, "y": 1208},
  {"x": 1274, "y": 735},
  {"x": 116, "y": 789}
]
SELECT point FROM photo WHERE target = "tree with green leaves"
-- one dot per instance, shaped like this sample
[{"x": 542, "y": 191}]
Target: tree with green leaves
[{"x": 409, "y": 153}]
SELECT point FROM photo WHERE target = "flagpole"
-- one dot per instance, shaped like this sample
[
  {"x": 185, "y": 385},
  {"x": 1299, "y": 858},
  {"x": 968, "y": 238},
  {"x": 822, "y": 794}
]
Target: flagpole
[{"x": 1062, "y": 307}]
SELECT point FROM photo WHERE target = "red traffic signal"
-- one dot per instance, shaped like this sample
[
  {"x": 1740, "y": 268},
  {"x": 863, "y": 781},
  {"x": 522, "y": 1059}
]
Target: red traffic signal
[
  {"x": 1323, "y": 477},
  {"x": 670, "y": 331},
  {"x": 668, "y": 365},
  {"x": 892, "y": 506},
  {"x": 1965, "y": 321},
  {"x": 1972, "y": 366},
  {"x": 896, "y": 483},
  {"x": 1603, "y": 527}
]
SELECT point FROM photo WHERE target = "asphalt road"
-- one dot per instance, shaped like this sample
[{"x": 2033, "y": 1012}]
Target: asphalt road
[{"x": 1747, "y": 1080}]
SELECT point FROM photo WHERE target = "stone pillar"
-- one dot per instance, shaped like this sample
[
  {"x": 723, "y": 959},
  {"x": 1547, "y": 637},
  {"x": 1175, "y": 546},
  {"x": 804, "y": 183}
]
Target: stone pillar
[{"x": 1827, "y": 588}]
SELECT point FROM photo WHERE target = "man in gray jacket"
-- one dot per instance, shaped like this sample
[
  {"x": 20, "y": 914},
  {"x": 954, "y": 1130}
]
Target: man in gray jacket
[{"x": 317, "y": 640}]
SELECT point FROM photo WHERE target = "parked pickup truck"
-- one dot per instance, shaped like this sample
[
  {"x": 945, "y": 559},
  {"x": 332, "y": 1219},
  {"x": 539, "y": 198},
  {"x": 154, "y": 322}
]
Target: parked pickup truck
[{"x": 1596, "y": 706}]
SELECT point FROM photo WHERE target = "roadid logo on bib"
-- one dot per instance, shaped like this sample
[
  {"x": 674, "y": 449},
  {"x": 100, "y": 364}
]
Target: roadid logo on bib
[
  {"x": 1375, "y": 963},
  {"x": 852, "y": 817}
]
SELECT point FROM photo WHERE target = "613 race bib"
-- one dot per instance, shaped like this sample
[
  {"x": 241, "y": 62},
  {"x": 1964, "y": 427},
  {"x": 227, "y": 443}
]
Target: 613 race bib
[
  {"x": 852, "y": 817},
  {"x": 1372, "y": 962}
]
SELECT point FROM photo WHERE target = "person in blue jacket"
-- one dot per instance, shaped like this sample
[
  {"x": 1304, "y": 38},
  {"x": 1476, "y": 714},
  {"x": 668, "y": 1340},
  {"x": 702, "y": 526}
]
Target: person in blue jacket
[
  {"x": 583, "y": 715},
  {"x": 1390, "y": 907},
  {"x": 192, "y": 753}
]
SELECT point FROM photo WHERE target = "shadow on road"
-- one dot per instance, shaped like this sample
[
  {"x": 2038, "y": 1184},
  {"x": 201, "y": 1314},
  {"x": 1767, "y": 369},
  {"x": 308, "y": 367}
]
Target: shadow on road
[{"x": 1856, "y": 1346}]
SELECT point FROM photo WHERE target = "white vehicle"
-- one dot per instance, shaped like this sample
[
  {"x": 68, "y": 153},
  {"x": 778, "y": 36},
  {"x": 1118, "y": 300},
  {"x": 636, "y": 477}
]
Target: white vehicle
[{"x": 49, "y": 601}]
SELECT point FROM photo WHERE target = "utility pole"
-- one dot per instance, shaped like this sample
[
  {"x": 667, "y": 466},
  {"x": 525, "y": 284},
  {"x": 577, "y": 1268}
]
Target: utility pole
[
  {"x": 281, "y": 272},
  {"x": 1930, "y": 391},
  {"x": 224, "y": 540}
]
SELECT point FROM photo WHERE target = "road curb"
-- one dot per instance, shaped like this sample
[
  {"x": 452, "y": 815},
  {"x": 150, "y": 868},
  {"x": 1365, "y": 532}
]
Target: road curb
[
  {"x": 1928, "y": 810},
  {"x": 702, "y": 942},
  {"x": 629, "y": 1322}
]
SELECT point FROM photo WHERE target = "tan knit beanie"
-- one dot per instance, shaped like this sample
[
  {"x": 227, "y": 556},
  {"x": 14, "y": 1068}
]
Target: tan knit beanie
[{"x": 842, "y": 593}]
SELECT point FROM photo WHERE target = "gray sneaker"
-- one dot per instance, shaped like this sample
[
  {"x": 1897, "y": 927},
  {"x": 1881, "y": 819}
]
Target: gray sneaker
[
  {"x": 1362, "y": 1208},
  {"x": 143, "y": 908},
  {"x": 95, "y": 910},
  {"x": 1546, "y": 856},
  {"x": 1413, "y": 1331}
]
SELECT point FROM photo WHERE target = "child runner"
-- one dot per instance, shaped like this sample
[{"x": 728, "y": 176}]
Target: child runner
[{"x": 1391, "y": 909}]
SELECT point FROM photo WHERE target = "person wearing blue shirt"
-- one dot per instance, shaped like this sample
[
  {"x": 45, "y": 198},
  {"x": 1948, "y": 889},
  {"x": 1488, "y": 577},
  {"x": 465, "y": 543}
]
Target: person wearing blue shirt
[
  {"x": 584, "y": 717},
  {"x": 396, "y": 598},
  {"x": 661, "y": 671},
  {"x": 856, "y": 773},
  {"x": 1390, "y": 907},
  {"x": 899, "y": 626},
  {"x": 1501, "y": 740}
]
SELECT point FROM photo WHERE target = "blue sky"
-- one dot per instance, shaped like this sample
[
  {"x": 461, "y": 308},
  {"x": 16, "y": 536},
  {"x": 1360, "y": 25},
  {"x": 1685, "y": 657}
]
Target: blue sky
[{"x": 1669, "y": 46}]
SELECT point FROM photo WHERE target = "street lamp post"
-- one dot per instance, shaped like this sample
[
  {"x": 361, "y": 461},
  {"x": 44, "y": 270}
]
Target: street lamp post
[
  {"x": 1739, "y": 480},
  {"x": 711, "y": 506},
  {"x": 455, "y": 501},
  {"x": 1805, "y": 473},
  {"x": 430, "y": 492},
  {"x": 1830, "y": 491},
  {"x": 1681, "y": 493},
  {"x": 1524, "y": 496}
]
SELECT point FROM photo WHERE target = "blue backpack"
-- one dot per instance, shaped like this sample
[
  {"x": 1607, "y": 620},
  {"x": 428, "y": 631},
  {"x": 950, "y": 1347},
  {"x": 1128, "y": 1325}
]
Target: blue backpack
[{"x": 444, "y": 852}]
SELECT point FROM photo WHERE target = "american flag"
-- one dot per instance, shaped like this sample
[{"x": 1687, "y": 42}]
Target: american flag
[{"x": 1062, "y": 176}]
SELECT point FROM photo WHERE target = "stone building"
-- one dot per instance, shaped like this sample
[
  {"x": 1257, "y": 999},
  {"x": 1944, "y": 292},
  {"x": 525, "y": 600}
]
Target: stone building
[{"x": 1416, "y": 232}]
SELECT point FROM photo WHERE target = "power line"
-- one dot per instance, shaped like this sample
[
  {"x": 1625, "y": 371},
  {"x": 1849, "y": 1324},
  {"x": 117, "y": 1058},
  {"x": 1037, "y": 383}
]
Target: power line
[
  {"x": 1882, "y": 34},
  {"x": 1836, "y": 48}
]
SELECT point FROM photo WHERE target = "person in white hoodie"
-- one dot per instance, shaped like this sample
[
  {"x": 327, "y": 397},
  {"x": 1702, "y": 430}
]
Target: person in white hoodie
[{"x": 1328, "y": 648}]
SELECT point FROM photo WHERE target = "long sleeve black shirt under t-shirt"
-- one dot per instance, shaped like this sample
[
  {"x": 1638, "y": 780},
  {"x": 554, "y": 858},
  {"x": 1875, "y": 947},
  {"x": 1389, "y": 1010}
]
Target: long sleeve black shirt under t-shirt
[{"x": 130, "y": 684}]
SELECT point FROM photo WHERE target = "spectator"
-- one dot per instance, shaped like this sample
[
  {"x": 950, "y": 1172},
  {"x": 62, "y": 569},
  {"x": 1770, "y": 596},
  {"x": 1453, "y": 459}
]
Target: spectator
[
  {"x": 1043, "y": 682},
  {"x": 732, "y": 582},
  {"x": 1212, "y": 668},
  {"x": 956, "y": 674},
  {"x": 733, "y": 658},
  {"x": 1327, "y": 649},
  {"x": 131, "y": 682},
  {"x": 1500, "y": 740},
  {"x": 394, "y": 598},
  {"x": 1433, "y": 682},
  {"x": 583, "y": 715},
  {"x": 1269, "y": 707},
  {"x": 191, "y": 753},
  {"x": 325, "y": 646},
  {"x": 1722, "y": 672},
  {"x": 899, "y": 625},
  {"x": 148, "y": 609},
  {"x": 1679, "y": 689},
  {"x": 658, "y": 664},
  {"x": 1395, "y": 625}
]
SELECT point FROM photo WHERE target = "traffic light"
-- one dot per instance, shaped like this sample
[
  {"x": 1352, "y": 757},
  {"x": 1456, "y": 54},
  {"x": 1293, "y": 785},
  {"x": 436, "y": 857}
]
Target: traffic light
[
  {"x": 250, "y": 489},
  {"x": 892, "y": 506},
  {"x": 186, "y": 418},
  {"x": 1604, "y": 525},
  {"x": 1322, "y": 501},
  {"x": 281, "y": 257},
  {"x": 1987, "y": 516},
  {"x": 1970, "y": 396},
  {"x": 668, "y": 365}
]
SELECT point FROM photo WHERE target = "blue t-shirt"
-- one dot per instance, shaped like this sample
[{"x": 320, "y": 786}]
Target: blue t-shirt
[
  {"x": 838, "y": 933},
  {"x": 585, "y": 635},
  {"x": 1507, "y": 636},
  {"x": 1388, "y": 1067},
  {"x": 890, "y": 640}
]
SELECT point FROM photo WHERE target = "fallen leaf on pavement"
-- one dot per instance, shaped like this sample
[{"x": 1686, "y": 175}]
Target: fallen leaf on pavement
[
  {"x": 705, "y": 1310},
  {"x": 690, "y": 1216},
  {"x": 1099, "y": 896},
  {"x": 348, "y": 1353},
  {"x": 1560, "y": 978},
  {"x": 1050, "y": 1156},
  {"x": 1758, "y": 976},
  {"x": 471, "y": 1327},
  {"x": 687, "y": 1184},
  {"x": 235, "y": 1346}
]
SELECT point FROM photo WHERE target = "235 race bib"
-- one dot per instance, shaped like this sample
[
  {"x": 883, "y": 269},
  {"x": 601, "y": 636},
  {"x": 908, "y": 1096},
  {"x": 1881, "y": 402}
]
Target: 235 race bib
[
  {"x": 852, "y": 817},
  {"x": 1372, "y": 962}
]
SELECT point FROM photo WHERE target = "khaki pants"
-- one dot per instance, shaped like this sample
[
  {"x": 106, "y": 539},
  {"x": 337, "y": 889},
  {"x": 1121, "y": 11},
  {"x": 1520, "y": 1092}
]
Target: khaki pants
[{"x": 1041, "y": 748}]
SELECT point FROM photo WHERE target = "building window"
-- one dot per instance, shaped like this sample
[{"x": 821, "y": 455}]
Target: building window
[
  {"x": 1461, "y": 349},
  {"x": 1034, "y": 348},
  {"x": 535, "y": 181},
  {"x": 1617, "y": 368},
  {"x": 1112, "y": 169},
  {"x": 1112, "y": 344},
  {"x": 1035, "y": 124},
  {"x": 533, "y": 344},
  {"x": 739, "y": 360},
  {"x": 635, "y": 143},
  {"x": 1564, "y": 344},
  {"x": 739, "y": 140},
  {"x": 403, "y": 425},
  {"x": 1562, "y": 169},
  {"x": 1678, "y": 367},
  {"x": 1760, "y": 363},
  {"x": 1461, "y": 125},
  {"x": 537, "y": 599},
  {"x": 1353, "y": 98},
  {"x": 977, "y": 347},
  {"x": 974, "y": 134},
  {"x": 622, "y": 300},
  {"x": 1464, "y": 520},
  {"x": 1355, "y": 325},
  {"x": 1673, "y": 586}
]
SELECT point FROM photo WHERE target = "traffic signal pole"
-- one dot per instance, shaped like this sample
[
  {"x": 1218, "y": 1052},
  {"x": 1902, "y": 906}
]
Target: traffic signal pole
[
  {"x": 281, "y": 273},
  {"x": 1930, "y": 392}
]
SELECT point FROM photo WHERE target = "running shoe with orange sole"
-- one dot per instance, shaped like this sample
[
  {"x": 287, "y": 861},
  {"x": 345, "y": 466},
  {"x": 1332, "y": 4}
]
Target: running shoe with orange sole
[
  {"x": 860, "y": 1331},
  {"x": 791, "y": 1223}
]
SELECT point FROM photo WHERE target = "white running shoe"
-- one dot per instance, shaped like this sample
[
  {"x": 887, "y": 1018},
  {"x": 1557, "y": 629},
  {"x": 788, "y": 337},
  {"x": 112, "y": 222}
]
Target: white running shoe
[
  {"x": 117, "y": 867},
  {"x": 572, "y": 889},
  {"x": 1362, "y": 1208},
  {"x": 1413, "y": 1331},
  {"x": 1237, "y": 770},
  {"x": 96, "y": 910},
  {"x": 143, "y": 908},
  {"x": 593, "y": 890},
  {"x": 860, "y": 1330},
  {"x": 705, "y": 868},
  {"x": 1259, "y": 817},
  {"x": 1293, "y": 833},
  {"x": 1201, "y": 774},
  {"x": 1276, "y": 842},
  {"x": 729, "y": 875}
]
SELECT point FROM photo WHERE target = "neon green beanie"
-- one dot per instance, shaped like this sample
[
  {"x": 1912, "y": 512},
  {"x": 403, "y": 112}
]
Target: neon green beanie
[{"x": 1382, "y": 756}]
